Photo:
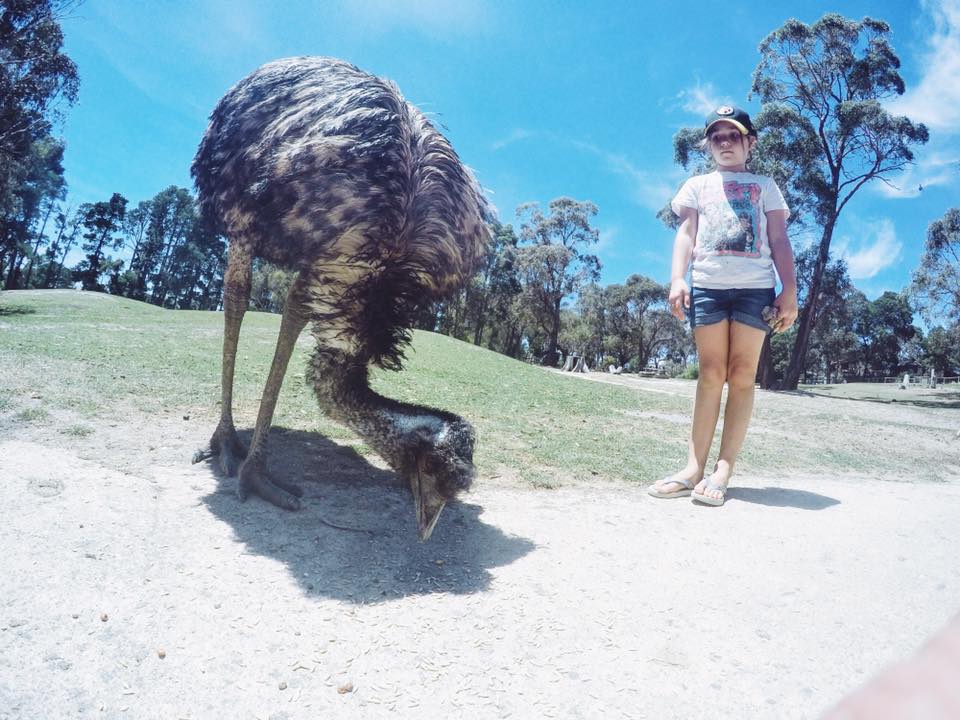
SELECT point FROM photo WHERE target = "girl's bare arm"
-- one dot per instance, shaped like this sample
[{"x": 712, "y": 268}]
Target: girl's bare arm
[
  {"x": 683, "y": 244},
  {"x": 782, "y": 254}
]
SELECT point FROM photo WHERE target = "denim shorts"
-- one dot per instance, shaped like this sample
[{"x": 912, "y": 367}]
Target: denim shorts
[{"x": 708, "y": 306}]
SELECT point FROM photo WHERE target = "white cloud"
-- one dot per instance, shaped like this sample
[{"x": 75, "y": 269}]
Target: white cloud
[
  {"x": 699, "y": 99},
  {"x": 607, "y": 236},
  {"x": 935, "y": 99},
  {"x": 648, "y": 189},
  {"x": 877, "y": 250},
  {"x": 516, "y": 135},
  {"x": 936, "y": 168}
]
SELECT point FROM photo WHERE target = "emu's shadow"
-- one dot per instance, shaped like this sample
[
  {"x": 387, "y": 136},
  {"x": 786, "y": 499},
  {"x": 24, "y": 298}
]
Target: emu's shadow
[
  {"x": 782, "y": 497},
  {"x": 373, "y": 554}
]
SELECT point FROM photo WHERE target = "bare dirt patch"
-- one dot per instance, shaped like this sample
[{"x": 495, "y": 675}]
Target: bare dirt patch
[{"x": 137, "y": 585}]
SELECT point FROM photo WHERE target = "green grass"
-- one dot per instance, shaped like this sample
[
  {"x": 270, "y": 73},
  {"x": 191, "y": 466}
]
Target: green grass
[
  {"x": 94, "y": 358},
  {"x": 32, "y": 415},
  {"x": 77, "y": 430}
]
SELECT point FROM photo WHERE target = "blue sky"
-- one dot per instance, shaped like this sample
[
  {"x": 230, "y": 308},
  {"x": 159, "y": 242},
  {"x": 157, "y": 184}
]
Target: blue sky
[{"x": 541, "y": 99}]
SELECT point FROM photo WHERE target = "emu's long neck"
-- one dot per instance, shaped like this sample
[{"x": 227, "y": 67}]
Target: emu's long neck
[{"x": 390, "y": 427}]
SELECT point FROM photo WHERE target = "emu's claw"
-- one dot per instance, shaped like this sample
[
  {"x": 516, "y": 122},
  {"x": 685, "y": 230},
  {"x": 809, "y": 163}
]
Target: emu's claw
[
  {"x": 201, "y": 455},
  {"x": 225, "y": 445}
]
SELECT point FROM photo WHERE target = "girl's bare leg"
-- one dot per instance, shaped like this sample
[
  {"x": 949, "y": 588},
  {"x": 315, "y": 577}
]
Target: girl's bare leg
[
  {"x": 744, "y": 354},
  {"x": 712, "y": 350}
]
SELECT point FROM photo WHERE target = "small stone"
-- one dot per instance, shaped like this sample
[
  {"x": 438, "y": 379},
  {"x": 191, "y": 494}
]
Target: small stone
[
  {"x": 161, "y": 653},
  {"x": 104, "y": 617},
  {"x": 282, "y": 685},
  {"x": 347, "y": 687},
  {"x": 186, "y": 417},
  {"x": 75, "y": 616},
  {"x": 438, "y": 562}
]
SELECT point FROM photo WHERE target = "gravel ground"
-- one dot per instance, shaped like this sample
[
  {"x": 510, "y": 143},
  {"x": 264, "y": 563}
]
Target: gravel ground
[{"x": 153, "y": 593}]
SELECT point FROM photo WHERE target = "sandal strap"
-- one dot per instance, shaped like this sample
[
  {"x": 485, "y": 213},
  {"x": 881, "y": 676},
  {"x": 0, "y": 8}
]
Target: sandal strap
[
  {"x": 688, "y": 484},
  {"x": 711, "y": 485}
]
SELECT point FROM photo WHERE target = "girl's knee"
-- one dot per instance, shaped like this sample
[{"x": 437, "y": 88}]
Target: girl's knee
[
  {"x": 741, "y": 375},
  {"x": 713, "y": 374}
]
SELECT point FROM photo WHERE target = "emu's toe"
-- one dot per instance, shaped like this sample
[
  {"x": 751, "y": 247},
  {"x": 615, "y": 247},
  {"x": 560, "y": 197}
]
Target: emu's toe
[
  {"x": 254, "y": 479},
  {"x": 227, "y": 447}
]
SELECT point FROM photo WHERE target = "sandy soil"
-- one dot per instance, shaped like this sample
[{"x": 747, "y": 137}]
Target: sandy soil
[{"x": 134, "y": 585}]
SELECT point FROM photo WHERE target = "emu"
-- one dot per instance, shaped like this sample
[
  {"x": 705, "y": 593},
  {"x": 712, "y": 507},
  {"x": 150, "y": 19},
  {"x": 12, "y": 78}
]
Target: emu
[{"x": 316, "y": 166}]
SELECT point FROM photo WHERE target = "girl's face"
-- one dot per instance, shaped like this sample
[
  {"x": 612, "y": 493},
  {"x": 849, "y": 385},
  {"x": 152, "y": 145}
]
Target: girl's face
[{"x": 729, "y": 147}]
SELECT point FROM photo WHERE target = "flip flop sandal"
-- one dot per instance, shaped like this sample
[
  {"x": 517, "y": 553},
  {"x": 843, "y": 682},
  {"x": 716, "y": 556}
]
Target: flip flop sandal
[
  {"x": 687, "y": 488},
  {"x": 716, "y": 502}
]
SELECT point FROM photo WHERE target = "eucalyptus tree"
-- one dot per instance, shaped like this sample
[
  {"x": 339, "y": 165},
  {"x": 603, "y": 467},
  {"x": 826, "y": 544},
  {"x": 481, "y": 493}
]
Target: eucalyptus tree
[
  {"x": 553, "y": 262},
  {"x": 883, "y": 327},
  {"x": 173, "y": 214},
  {"x": 822, "y": 87},
  {"x": 488, "y": 297},
  {"x": 36, "y": 78},
  {"x": 67, "y": 224},
  {"x": 638, "y": 320},
  {"x": 38, "y": 185},
  {"x": 101, "y": 220},
  {"x": 936, "y": 282}
]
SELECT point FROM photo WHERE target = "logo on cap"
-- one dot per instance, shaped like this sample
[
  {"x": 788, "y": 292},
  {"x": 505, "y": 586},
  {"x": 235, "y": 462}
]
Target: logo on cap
[{"x": 725, "y": 110}]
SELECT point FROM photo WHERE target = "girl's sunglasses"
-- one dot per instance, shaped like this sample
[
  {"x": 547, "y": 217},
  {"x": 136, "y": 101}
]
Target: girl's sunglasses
[{"x": 718, "y": 138}]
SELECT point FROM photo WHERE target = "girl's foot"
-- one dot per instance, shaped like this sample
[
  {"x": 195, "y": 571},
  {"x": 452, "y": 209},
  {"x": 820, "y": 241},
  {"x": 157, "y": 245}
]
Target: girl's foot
[
  {"x": 677, "y": 485},
  {"x": 713, "y": 489}
]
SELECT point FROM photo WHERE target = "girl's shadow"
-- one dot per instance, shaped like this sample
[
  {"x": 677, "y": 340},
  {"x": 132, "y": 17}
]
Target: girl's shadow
[
  {"x": 782, "y": 497},
  {"x": 355, "y": 537}
]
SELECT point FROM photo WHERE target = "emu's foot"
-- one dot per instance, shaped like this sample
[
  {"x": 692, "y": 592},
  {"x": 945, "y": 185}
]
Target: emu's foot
[
  {"x": 225, "y": 445},
  {"x": 254, "y": 479}
]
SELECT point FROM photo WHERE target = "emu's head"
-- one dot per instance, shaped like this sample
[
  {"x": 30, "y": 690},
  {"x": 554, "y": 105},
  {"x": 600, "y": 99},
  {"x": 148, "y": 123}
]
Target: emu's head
[{"x": 439, "y": 464}]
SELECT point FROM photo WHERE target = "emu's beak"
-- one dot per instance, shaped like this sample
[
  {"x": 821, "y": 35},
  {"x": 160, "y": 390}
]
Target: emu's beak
[{"x": 427, "y": 502}]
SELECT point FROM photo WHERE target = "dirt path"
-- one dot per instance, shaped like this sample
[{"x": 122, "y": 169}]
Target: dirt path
[{"x": 146, "y": 590}]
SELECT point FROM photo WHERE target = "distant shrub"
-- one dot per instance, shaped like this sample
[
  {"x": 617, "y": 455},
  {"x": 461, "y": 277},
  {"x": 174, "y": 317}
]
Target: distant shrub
[{"x": 692, "y": 372}]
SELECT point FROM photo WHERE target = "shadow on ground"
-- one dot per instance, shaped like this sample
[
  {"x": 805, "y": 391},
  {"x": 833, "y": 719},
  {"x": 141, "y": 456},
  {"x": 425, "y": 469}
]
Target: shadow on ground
[
  {"x": 929, "y": 400},
  {"x": 6, "y": 310},
  {"x": 782, "y": 497},
  {"x": 379, "y": 557}
]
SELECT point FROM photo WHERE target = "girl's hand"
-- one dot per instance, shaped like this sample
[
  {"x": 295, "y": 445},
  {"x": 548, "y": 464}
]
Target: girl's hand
[
  {"x": 787, "y": 311},
  {"x": 679, "y": 299}
]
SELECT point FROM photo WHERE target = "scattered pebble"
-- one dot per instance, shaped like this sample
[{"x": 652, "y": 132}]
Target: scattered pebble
[
  {"x": 186, "y": 417},
  {"x": 345, "y": 688},
  {"x": 104, "y": 617},
  {"x": 438, "y": 562},
  {"x": 161, "y": 653},
  {"x": 282, "y": 685}
]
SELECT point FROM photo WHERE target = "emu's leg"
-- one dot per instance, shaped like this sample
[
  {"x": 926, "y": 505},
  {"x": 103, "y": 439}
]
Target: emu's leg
[
  {"x": 236, "y": 295},
  {"x": 253, "y": 472}
]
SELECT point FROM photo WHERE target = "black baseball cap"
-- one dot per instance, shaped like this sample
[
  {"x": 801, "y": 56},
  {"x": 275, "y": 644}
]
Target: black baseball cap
[{"x": 735, "y": 116}]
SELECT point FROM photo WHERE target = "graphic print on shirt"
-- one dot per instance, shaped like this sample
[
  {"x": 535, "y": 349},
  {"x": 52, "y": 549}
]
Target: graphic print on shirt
[{"x": 730, "y": 219}]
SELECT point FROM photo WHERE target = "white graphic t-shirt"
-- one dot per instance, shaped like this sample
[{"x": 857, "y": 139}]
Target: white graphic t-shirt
[{"x": 731, "y": 250}]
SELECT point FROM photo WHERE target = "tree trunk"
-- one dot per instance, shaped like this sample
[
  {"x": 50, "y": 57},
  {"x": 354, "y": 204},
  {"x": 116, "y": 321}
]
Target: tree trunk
[
  {"x": 765, "y": 371},
  {"x": 14, "y": 268},
  {"x": 808, "y": 314},
  {"x": 551, "y": 356},
  {"x": 36, "y": 246}
]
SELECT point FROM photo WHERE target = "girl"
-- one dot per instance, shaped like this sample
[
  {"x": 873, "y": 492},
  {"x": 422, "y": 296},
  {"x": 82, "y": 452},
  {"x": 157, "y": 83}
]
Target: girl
[{"x": 734, "y": 226}]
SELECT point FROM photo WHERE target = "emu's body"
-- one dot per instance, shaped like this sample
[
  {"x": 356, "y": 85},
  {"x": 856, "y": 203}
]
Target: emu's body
[{"x": 314, "y": 165}]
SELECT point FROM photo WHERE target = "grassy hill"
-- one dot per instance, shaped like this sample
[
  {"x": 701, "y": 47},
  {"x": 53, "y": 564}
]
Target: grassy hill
[{"x": 72, "y": 361}]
